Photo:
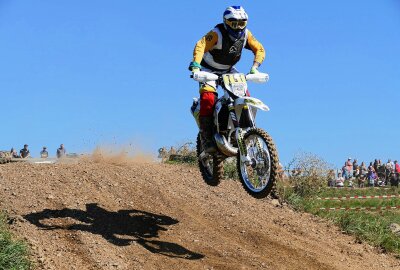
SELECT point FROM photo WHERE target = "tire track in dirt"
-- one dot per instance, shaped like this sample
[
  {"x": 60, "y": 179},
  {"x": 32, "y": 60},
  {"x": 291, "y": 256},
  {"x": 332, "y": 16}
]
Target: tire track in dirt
[{"x": 110, "y": 214}]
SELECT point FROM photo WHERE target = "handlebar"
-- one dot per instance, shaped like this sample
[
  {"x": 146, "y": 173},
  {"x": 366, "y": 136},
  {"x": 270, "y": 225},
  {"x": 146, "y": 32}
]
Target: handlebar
[{"x": 203, "y": 76}]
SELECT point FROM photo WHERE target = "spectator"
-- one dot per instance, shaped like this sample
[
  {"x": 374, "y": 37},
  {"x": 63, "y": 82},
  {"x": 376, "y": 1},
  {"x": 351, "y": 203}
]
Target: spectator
[
  {"x": 363, "y": 169},
  {"x": 376, "y": 165},
  {"x": 331, "y": 178},
  {"x": 44, "y": 153},
  {"x": 381, "y": 168},
  {"x": 296, "y": 172},
  {"x": 61, "y": 151},
  {"x": 356, "y": 172},
  {"x": 389, "y": 165},
  {"x": 350, "y": 183},
  {"x": 392, "y": 163},
  {"x": 172, "y": 151},
  {"x": 355, "y": 167},
  {"x": 185, "y": 150},
  {"x": 344, "y": 169},
  {"x": 380, "y": 173},
  {"x": 24, "y": 152},
  {"x": 348, "y": 169},
  {"x": 163, "y": 154},
  {"x": 389, "y": 168},
  {"x": 339, "y": 180},
  {"x": 371, "y": 175},
  {"x": 396, "y": 176},
  {"x": 13, "y": 153},
  {"x": 281, "y": 171},
  {"x": 362, "y": 175}
]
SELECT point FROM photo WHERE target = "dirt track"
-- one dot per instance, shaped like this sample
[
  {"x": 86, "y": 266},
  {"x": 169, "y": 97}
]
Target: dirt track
[{"x": 108, "y": 214}]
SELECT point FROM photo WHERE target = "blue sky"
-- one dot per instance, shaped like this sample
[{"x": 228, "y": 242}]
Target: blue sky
[{"x": 88, "y": 73}]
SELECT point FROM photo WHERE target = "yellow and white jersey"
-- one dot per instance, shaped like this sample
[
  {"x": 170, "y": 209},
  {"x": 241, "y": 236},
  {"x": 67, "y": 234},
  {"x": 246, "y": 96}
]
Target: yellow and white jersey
[{"x": 214, "y": 49}]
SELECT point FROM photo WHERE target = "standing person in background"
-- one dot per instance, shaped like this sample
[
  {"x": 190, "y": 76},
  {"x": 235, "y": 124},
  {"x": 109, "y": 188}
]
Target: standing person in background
[
  {"x": 371, "y": 175},
  {"x": 24, "y": 152},
  {"x": 363, "y": 169},
  {"x": 44, "y": 153},
  {"x": 163, "y": 154},
  {"x": 389, "y": 169},
  {"x": 172, "y": 151},
  {"x": 363, "y": 174},
  {"x": 376, "y": 165},
  {"x": 61, "y": 151},
  {"x": 344, "y": 170},
  {"x": 331, "y": 178},
  {"x": 355, "y": 168},
  {"x": 349, "y": 169},
  {"x": 396, "y": 176}
]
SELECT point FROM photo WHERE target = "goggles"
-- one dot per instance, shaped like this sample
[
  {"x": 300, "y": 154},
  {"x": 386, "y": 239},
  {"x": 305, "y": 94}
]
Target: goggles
[{"x": 236, "y": 24}]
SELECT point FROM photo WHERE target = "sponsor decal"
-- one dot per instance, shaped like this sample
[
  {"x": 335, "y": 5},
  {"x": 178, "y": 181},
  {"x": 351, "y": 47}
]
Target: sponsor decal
[
  {"x": 252, "y": 101},
  {"x": 209, "y": 36},
  {"x": 233, "y": 49}
]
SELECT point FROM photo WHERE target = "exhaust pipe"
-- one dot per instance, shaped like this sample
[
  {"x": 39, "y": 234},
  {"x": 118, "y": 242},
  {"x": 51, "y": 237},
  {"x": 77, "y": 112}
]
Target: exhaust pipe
[{"x": 226, "y": 148}]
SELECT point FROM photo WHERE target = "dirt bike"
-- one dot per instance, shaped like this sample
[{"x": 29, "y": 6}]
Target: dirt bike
[{"x": 236, "y": 135}]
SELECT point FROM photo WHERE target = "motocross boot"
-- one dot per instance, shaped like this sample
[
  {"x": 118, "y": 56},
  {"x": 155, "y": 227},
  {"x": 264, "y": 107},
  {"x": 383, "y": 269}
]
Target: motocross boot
[{"x": 206, "y": 129}]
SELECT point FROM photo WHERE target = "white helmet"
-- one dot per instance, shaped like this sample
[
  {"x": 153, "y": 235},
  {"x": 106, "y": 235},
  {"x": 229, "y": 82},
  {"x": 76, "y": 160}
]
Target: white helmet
[{"x": 235, "y": 21}]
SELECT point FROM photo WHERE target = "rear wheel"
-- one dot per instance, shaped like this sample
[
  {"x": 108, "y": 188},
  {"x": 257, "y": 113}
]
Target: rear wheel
[
  {"x": 258, "y": 175},
  {"x": 211, "y": 167}
]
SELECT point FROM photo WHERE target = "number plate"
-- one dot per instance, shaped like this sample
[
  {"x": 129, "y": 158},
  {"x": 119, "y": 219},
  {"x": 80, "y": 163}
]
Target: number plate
[
  {"x": 239, "y": 89},
  {"x": 236, "y": 83}
]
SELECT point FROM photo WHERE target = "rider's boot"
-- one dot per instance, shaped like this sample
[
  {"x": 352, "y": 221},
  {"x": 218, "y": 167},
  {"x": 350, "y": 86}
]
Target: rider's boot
[{"x": 206, "y": 129}]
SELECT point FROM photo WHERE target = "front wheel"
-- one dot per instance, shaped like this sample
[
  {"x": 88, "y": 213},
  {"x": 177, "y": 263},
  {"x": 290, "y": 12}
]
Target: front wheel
[
  {"x": 260, "y": 171},
  {"x": 211, "y": 166}
]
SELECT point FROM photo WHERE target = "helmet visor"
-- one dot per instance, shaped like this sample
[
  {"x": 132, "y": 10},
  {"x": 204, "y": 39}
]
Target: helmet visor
[{"x": 236, "y": 24}]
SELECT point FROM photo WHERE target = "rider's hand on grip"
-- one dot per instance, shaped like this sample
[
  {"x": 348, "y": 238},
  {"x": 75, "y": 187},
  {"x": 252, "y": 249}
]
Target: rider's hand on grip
[
  {"x": 254, "y": 70},
  {"x": 195, "y": 69},
  {"x": 194, "y": 65}
]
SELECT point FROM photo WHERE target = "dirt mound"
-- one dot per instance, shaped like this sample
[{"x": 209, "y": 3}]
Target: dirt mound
[{"x": 107, "y": 214}]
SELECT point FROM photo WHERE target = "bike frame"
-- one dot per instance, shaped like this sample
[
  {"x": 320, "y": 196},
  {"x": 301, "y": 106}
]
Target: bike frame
[{"x": 237, "y": 105}]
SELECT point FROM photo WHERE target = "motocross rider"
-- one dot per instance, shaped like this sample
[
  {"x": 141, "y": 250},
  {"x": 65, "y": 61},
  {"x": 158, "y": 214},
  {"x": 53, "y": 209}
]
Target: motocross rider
[{"x": 217, "y": 52}]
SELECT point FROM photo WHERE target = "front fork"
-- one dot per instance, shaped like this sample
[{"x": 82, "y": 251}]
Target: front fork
[{"x": 244, "y": 157}]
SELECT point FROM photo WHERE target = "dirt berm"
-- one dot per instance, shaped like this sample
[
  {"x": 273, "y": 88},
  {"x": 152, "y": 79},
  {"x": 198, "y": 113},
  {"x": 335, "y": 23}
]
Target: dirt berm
[{"x": 108, "y": 214}]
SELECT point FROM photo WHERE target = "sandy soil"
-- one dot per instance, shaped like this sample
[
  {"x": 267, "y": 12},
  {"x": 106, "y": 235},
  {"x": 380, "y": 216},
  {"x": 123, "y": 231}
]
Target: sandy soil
[{"x": 114, "y": 214}]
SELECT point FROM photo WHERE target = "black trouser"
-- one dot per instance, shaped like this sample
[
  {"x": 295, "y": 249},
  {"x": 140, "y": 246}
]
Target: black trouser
[{"x": 394, "y": 180}]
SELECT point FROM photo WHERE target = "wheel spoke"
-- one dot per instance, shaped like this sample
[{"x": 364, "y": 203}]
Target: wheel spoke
[
  {"x": 256, "y": 175},
  {"x": 211, "y": 167}
]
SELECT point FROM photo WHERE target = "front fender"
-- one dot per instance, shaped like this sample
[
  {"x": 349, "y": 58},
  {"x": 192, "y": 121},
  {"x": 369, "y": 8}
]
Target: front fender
[{"x": 251, "y": 102}]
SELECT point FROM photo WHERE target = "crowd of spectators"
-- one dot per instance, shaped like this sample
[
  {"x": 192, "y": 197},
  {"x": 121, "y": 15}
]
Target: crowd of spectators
[
  {"x": 25, "y": 153},
  {"x": 375, "y": 174}
]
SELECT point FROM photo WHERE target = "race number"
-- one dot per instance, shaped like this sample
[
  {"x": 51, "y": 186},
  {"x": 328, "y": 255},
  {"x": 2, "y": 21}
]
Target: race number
[{"x": 236, "y": 83}]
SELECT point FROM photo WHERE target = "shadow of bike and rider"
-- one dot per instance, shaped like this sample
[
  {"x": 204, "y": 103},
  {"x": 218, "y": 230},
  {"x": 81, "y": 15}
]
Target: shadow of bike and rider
[{"x": 120, "y": 228}]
